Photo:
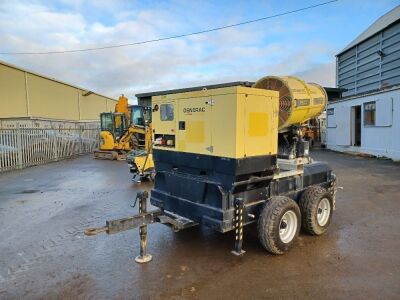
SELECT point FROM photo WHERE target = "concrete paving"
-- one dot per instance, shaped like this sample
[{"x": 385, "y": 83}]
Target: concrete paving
[{"x": 44, "y": 254}]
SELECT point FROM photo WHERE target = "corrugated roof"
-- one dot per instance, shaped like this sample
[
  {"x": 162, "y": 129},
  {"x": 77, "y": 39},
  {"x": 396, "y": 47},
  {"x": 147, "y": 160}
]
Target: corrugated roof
[
  {"x": 380, "y": 24},
  {"x": 52, "y": 79}
]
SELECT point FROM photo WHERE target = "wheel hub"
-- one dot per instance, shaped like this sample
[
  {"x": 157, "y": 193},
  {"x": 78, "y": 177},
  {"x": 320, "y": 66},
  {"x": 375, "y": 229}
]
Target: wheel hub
[
  {"x": 288, "y": 226},
  {"x": 323, "y": 212}
]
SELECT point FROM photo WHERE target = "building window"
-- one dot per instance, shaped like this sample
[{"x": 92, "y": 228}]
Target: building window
[
  {"x": 166, "y": 112},
  {"x": 369, "y": 113}
]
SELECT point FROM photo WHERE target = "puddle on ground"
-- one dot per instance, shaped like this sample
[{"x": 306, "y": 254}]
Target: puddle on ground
[{"x": 29, "y": 192}]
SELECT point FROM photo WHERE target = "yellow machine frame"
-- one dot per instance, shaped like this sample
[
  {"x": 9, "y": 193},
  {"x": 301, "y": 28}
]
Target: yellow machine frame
[{"x": 113, "y": 146}]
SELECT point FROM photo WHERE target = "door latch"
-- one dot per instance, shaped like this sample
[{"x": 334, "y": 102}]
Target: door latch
[{"x": 210, "y": 102}]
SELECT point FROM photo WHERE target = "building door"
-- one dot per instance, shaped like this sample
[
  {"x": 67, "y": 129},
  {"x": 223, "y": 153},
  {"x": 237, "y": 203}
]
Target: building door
[
  {"x": 356, "y": 126},
  {"x": 343, "y": 125}
]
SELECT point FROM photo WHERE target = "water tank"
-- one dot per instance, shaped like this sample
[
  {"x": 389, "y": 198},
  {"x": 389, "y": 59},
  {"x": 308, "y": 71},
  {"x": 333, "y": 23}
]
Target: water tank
[{"x": 298, "y": 101}]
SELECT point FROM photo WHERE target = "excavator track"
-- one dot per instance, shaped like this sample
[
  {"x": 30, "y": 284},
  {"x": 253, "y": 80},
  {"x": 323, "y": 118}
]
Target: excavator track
[{"x": 109, "y": 155}]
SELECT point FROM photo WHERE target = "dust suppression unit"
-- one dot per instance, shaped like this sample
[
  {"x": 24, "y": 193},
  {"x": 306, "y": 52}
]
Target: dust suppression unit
[{"x": 228, "y": 157}]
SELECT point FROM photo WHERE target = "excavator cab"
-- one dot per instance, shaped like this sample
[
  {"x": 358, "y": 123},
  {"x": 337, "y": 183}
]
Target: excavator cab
[
  {"x": 141, "y": 115},
  {"x": 115, "y": 123}
]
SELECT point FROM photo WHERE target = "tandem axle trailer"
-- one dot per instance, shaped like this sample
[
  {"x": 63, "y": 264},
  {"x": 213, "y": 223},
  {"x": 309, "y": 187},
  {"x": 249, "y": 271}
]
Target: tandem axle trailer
[
  {"x": 295, "y": 180},
  {"x": 227, "y": 157}
]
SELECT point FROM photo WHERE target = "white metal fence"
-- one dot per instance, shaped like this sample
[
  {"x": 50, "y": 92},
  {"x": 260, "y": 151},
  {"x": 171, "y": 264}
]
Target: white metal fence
[{"x": 25, "y": 143}]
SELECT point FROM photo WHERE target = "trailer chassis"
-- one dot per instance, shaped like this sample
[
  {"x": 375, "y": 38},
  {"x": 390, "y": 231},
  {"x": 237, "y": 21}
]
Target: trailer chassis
[{"x": 242, "y": 212}]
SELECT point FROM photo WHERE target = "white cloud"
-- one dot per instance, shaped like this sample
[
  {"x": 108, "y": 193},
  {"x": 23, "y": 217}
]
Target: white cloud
[
  {"x": 243, "y": 53},
  {"x": 323, "y": 74}
]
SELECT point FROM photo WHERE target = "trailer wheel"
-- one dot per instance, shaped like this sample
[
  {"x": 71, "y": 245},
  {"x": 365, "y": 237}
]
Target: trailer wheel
[
  {"x": 279, "y": 224},
  {"x": 316, "y": 210}
]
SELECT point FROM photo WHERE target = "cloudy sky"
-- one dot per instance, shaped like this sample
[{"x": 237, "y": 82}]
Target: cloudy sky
[{"x": 302, "y": 44}]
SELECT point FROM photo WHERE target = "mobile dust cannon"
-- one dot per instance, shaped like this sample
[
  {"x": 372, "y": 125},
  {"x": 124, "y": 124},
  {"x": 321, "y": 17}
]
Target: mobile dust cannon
[{"x": 228, "y": 157}]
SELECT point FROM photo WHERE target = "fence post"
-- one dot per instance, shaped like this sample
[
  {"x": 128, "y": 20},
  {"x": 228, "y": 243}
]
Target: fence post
[
  {"x": 19, "y": 146},
  {"x": 54, "y": 140},
  {"x": 80, "y": 139}
]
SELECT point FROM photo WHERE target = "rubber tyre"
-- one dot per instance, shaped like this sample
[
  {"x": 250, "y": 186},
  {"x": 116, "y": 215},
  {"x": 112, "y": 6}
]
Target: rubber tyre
[
  {"x": 309, "y": 202},
  {"x": 269, "y": 222}
]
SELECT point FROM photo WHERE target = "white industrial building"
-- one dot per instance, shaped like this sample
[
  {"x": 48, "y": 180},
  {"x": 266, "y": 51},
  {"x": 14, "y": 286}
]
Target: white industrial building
[{"x": 367, "y": 117}]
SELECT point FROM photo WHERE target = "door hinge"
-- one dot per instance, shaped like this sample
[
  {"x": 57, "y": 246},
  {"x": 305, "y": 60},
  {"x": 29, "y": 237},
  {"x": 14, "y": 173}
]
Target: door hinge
[{"x": 210, "y": 149}]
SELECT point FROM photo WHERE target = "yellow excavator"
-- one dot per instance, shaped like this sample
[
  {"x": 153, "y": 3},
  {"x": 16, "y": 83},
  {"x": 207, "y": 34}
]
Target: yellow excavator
[{"x": 126, "y": 129}]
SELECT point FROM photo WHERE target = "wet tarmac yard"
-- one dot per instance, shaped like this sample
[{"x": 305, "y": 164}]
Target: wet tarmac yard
[{"x": 45, "y": 255}]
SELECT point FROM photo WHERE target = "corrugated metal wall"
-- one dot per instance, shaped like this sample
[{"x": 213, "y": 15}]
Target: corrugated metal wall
[
  {"x": 24, "y": 94},
  {"x": 362, "y": 69}
]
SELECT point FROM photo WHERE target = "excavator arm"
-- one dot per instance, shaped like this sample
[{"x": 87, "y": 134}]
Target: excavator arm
[{"x": 127, "y": 139}]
